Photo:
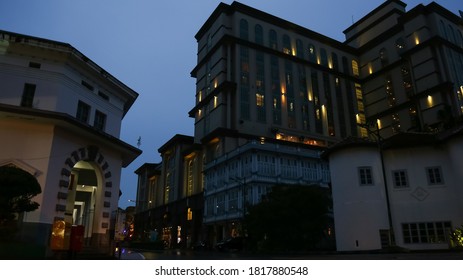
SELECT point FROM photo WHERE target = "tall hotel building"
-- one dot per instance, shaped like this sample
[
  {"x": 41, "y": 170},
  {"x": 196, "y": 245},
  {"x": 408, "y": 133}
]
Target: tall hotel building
[{"x": 271, "y": 96}]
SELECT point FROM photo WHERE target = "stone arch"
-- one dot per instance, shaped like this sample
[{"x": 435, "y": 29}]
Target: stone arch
[{"x": 90, "y": 154}]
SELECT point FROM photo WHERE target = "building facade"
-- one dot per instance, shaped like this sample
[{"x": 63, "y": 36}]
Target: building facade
[
  {"x": 272, "y": 96},
  {"x": 170, "y": 195},
  {"x": 410, "y": 184},
  {"x": 410, "y": 64},
  {"x": 60, "y": 120}
]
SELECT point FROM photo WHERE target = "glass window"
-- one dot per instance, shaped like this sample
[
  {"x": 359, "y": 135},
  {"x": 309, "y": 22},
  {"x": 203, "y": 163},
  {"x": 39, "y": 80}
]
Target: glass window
[
  {"x": 312, "y": 54},
  {"x": 259, "y": 33},
  {"x": 286, "y": 44},
  {"x": 365, "y": 176},
  {"x": 99, "y": 121},
  {"x": 400, "y": 179},
  {"x": 323, "y": 57},
  {"x": 83, "y": 112},
  {"x": 244, "y": 31},
  {"x": 355, "y": 68},
  {"x": 434, "y": 175},
  {"x": 273, "y": 40},
  {"x": 27, "y": 98}
]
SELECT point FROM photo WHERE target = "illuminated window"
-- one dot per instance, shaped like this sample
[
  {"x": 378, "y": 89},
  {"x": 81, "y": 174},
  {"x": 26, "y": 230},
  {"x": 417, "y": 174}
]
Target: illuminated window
[
  {"x": 190, "y": 178},
  {"x": 286, "y": 44},
  {"x": 259, "y": 100},
  {"x": 355, "y": 68},
  {"x": 215, "y": 101},
  {"x": 312, "y": 54},
  {"x": 189, "y": 215}
]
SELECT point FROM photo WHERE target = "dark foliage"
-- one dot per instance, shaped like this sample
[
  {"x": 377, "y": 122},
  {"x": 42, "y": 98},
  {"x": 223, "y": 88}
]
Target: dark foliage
[
  {"x": 17, "y": 188},
  {"x": 290, "y": 218}
]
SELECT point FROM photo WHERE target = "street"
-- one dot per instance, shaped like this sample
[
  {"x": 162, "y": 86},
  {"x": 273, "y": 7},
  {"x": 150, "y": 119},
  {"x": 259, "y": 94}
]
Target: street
[{"x": 128, "y": 254}]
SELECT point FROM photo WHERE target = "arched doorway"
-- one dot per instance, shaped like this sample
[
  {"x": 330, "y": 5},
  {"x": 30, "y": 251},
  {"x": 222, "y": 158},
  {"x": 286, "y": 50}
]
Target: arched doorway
[
  {"x": 85, "y": 185},
  {"x": 85, "y": 195}
]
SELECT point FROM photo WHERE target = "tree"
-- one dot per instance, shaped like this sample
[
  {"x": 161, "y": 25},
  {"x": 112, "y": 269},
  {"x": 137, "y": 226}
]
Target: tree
[
  {"x": 290, "y": 218},
  {"x": 17, "y": 188}
]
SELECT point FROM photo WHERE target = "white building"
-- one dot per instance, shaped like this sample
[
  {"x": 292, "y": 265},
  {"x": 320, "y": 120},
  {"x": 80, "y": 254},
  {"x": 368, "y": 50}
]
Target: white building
[
  {"x": 60, "y": 120},
  {"x": 412, "y": 184}
]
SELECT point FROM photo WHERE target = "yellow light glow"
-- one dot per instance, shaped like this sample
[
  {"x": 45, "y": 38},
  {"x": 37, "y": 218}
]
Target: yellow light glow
[
  {"x": 294, "y": 51},
  {"x": 215, "y": 101},
  {"x": 330, "y": 65},
  {"x": 370, "y": 69},
  {"x": 378, "y": 122},
  {"x": 417, "y": 39},
  {"x": 200, "y": 113},
  {"x": 318, "y": 60},
  {"x": 216, "y": 83},
  {"x": 200, "y": 96},
  {"x": 283, "y": 89},
  {"x": 430, "y": 101},
  {"x": 310, "y": 95},
  {"x": 357, "y": 117}
]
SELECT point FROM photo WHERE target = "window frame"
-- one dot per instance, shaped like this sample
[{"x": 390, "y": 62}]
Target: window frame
[
  {"x": 99, "y": 121},
  {"x": 438, "y": 181},
  {"x": 27, "y": 98},
  {"x": 405, "y": 178},
  {"x": 80, "y": 113},
  {"x": 363, "y": 178}
]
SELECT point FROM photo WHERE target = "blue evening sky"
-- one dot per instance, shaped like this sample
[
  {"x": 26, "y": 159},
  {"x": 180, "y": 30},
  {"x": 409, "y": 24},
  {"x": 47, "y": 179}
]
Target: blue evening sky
[{"x": 149, "y": 45}]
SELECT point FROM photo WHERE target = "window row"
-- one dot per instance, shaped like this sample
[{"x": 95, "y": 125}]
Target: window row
[
  {"x": 400, "y": 180},
  {"x": 299, "y": 50},
  {"x": 83, "y": 115}
]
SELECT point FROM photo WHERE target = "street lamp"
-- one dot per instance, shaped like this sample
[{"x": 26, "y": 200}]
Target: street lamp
[{"x": 379, "y": 142}]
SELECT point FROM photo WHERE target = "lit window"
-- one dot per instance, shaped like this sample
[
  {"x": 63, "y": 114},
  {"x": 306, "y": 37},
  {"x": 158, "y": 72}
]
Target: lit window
[
  {"x": 355, "y": 68},
  {"x": 189, "y": 215},
  {"x": 259, "y": 100}
]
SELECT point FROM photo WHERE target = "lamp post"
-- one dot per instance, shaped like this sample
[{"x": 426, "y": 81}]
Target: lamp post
[{"x": 379, "y": 142}]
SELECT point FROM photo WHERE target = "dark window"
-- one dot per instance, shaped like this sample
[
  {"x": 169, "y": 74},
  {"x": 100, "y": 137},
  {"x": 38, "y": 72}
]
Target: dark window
[
  {"x": 434, "y": 175},
  {"x": 83, "y": 112},
  {"x": 34, "y": 65},
  {"x": 87, "y": 85},
  {"x": 103, "y": 95},
  {"x": 400, "y": 179},
  {"x": 100, "y": 121},
  {"x": 27, "y": 98},
  {"x": 365, "y": 176}
]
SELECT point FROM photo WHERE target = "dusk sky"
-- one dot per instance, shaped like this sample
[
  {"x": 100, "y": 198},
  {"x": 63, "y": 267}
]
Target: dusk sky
[{"x": 149, "y": 45}]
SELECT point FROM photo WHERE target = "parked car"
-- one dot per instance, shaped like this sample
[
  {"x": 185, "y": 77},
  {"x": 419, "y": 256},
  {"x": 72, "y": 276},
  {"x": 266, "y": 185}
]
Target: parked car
[{"x": 231, "y": 244}]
